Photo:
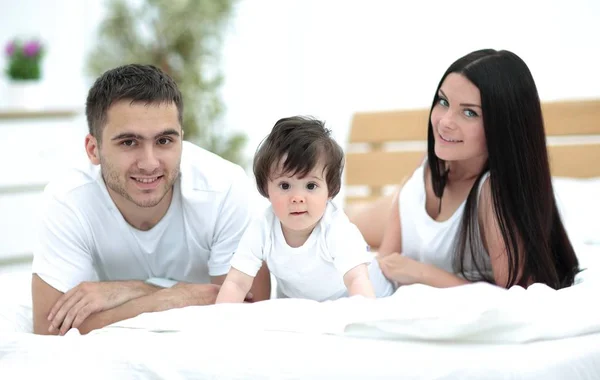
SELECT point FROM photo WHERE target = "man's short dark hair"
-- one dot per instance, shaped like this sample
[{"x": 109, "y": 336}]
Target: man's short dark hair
[
  {"x": 302, "y": 142},
  {"x": 134, "y": 82}
]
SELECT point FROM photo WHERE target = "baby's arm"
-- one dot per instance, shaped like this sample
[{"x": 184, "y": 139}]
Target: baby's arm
[
  {"x": 357, "y": 281},
  {"x": 236, "y": 286}
]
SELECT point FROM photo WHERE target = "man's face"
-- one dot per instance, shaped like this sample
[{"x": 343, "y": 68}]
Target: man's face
[{"x": 140, "y": 153}]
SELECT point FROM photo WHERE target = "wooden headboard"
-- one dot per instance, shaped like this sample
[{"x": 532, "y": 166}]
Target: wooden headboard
[{"x": 386, "y": 147}]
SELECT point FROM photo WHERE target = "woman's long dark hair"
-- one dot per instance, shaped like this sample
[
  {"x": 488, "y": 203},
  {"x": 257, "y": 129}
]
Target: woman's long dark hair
[{"x": 520, "y": 180}]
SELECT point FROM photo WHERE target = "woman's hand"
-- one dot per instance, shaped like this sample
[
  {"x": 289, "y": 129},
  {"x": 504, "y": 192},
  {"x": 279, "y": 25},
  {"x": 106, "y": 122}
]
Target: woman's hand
[
  {"x": 401, "y": 269},
  {"x": 405, "y": 271}
]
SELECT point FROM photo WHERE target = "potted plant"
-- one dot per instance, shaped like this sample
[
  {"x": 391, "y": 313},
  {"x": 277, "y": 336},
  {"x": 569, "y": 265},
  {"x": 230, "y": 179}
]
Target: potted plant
[
  {"x": 24, "y": 72},
  {"x": 184, "y": 39}
]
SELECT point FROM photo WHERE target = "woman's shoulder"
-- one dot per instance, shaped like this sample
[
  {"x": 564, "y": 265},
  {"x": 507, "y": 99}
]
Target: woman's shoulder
[
  {"x": 414, "y": 185},
  {"x": 484, "y": 191}
]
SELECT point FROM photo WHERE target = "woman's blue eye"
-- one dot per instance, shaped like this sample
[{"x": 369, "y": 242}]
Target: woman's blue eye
[
  {"x": 443, "y": 102},
  {"x": 470, "y": 113}
]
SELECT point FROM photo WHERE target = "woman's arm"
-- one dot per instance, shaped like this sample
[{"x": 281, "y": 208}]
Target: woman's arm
[
  {"x": 371, "y": 219},
  {"x": 492, "y": 239},
  {"x": 406, "y": 271},
  {"x": 379, "y": 222},
  {"x": 392, "y": 236}
]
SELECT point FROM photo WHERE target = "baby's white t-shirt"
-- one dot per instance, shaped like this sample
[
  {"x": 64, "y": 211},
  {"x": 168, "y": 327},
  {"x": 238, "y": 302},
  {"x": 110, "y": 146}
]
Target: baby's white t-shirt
[{"x": 316, "y": 269}]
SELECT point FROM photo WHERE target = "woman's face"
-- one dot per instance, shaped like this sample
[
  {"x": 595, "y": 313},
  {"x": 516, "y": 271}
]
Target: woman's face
[{"x": 457, "y": 120}]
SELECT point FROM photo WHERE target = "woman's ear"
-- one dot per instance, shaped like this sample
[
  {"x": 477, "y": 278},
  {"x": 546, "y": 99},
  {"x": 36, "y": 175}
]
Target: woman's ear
[{"x": 92, "y": 149}]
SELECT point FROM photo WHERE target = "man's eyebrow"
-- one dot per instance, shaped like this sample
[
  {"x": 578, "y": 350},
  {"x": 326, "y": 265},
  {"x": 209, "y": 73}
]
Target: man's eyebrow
[
  {"x": 129, "y": 135},
  {"x": 168, "y": 132},
  {"x": 461, "y": 104}
]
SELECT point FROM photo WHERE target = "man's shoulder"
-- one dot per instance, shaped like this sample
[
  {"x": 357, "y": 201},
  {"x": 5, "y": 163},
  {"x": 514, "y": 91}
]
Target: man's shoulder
[
  {"x": 202, "y": 170},
  {"x": 74, "y": 183}
]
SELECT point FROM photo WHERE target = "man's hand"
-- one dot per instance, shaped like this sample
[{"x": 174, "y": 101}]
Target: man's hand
[
  {"x": 73, "y": 307},
  {"x": 178, "y": 296}
]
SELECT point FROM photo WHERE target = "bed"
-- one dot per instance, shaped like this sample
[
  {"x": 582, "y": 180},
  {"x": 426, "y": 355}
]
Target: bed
[{"x": 471, "y": 332}]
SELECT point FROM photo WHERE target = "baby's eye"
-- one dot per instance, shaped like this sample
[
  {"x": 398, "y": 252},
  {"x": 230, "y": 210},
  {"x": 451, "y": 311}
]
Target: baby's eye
[
  {"x": 311, "y": 186},
  {"x": 284, "y": 186}
]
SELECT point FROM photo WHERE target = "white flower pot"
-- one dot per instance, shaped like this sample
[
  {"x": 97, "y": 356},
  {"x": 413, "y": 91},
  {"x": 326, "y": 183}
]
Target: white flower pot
[{"x": 22, "y": 95}]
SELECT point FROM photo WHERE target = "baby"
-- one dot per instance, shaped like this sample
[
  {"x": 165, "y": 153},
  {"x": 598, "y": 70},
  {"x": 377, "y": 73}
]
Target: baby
[{"x": 309, "y": 245}]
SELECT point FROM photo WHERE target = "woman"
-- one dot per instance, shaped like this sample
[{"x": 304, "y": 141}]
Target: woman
[{"x": 481, "y": 206}]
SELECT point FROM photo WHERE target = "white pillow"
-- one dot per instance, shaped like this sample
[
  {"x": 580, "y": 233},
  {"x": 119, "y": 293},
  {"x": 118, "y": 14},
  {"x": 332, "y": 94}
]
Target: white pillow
[
  {"x": 589, "y": 263},
  {"x": 15, "y": 304},
  {"x": 579, "y": 204}
]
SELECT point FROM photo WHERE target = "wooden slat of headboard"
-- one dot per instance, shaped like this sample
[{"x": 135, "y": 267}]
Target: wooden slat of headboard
[
  {"x": 386, "y": 126},
  {"x": 360, "y": 200},
  {"x": 572, "y": 117},
  {"x": 560, "y": 118},
  {"x": 378, "y": 169},
  {"x": 580, "y": 161}
]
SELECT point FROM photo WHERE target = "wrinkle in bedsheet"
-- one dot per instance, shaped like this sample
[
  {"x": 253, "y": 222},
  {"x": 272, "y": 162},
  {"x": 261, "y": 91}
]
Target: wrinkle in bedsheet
[{"x": 473, "y": 313}]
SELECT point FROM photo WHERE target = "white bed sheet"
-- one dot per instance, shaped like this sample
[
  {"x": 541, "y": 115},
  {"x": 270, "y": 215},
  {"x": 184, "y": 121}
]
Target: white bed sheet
[
  {"x": 140, "y": 354},
  {"x": 470, "y": 332}
]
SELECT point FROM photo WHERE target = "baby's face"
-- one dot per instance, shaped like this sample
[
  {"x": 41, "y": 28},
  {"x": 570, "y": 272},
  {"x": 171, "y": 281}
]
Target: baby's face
[{"x": 299, "y": 203}]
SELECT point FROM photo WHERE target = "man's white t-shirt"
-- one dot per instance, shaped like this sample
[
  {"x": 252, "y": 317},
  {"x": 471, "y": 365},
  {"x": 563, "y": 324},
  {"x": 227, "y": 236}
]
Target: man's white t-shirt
[
  {"x": 316, "y": 269},
  {"x": 84, "y": 237}
]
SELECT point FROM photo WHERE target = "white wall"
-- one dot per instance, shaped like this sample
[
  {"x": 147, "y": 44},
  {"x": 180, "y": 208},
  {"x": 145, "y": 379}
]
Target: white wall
[
  {"x": 67, "y": 28},
  {"x": 332, "y": 58},
  {"x": 327, "y": 58}
]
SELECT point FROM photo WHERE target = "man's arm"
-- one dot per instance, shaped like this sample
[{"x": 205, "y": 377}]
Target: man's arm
[
  {"x": 56, "y": 312},
  {"x": 178, "y": 296},
  {"x": 43, "y": 298}
]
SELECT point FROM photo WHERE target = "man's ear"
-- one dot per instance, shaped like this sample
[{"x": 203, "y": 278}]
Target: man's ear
[{"x": 92, "y": 149}]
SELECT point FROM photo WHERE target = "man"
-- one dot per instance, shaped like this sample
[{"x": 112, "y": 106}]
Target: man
[{"x": 147, "y": 208}]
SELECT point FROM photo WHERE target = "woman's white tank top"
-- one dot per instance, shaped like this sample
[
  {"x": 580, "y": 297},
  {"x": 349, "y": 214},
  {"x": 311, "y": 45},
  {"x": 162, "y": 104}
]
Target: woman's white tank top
[{"x": 425, "y": 239}]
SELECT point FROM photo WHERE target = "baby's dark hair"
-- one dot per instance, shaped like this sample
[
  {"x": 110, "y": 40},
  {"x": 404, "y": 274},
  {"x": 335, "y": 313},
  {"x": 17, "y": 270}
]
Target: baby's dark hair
[{"x": 302, "y": 142}]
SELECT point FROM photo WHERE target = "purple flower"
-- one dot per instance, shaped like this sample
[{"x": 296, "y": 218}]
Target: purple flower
[
  {"x": 10, "y": 49},
  {"x": 31, "y": 48}
]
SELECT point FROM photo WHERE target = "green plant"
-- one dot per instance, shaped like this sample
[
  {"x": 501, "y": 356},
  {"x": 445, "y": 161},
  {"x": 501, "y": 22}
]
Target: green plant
[
  {"x": 24, "y": 59},
  {"x": 183, "y": 38}
]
